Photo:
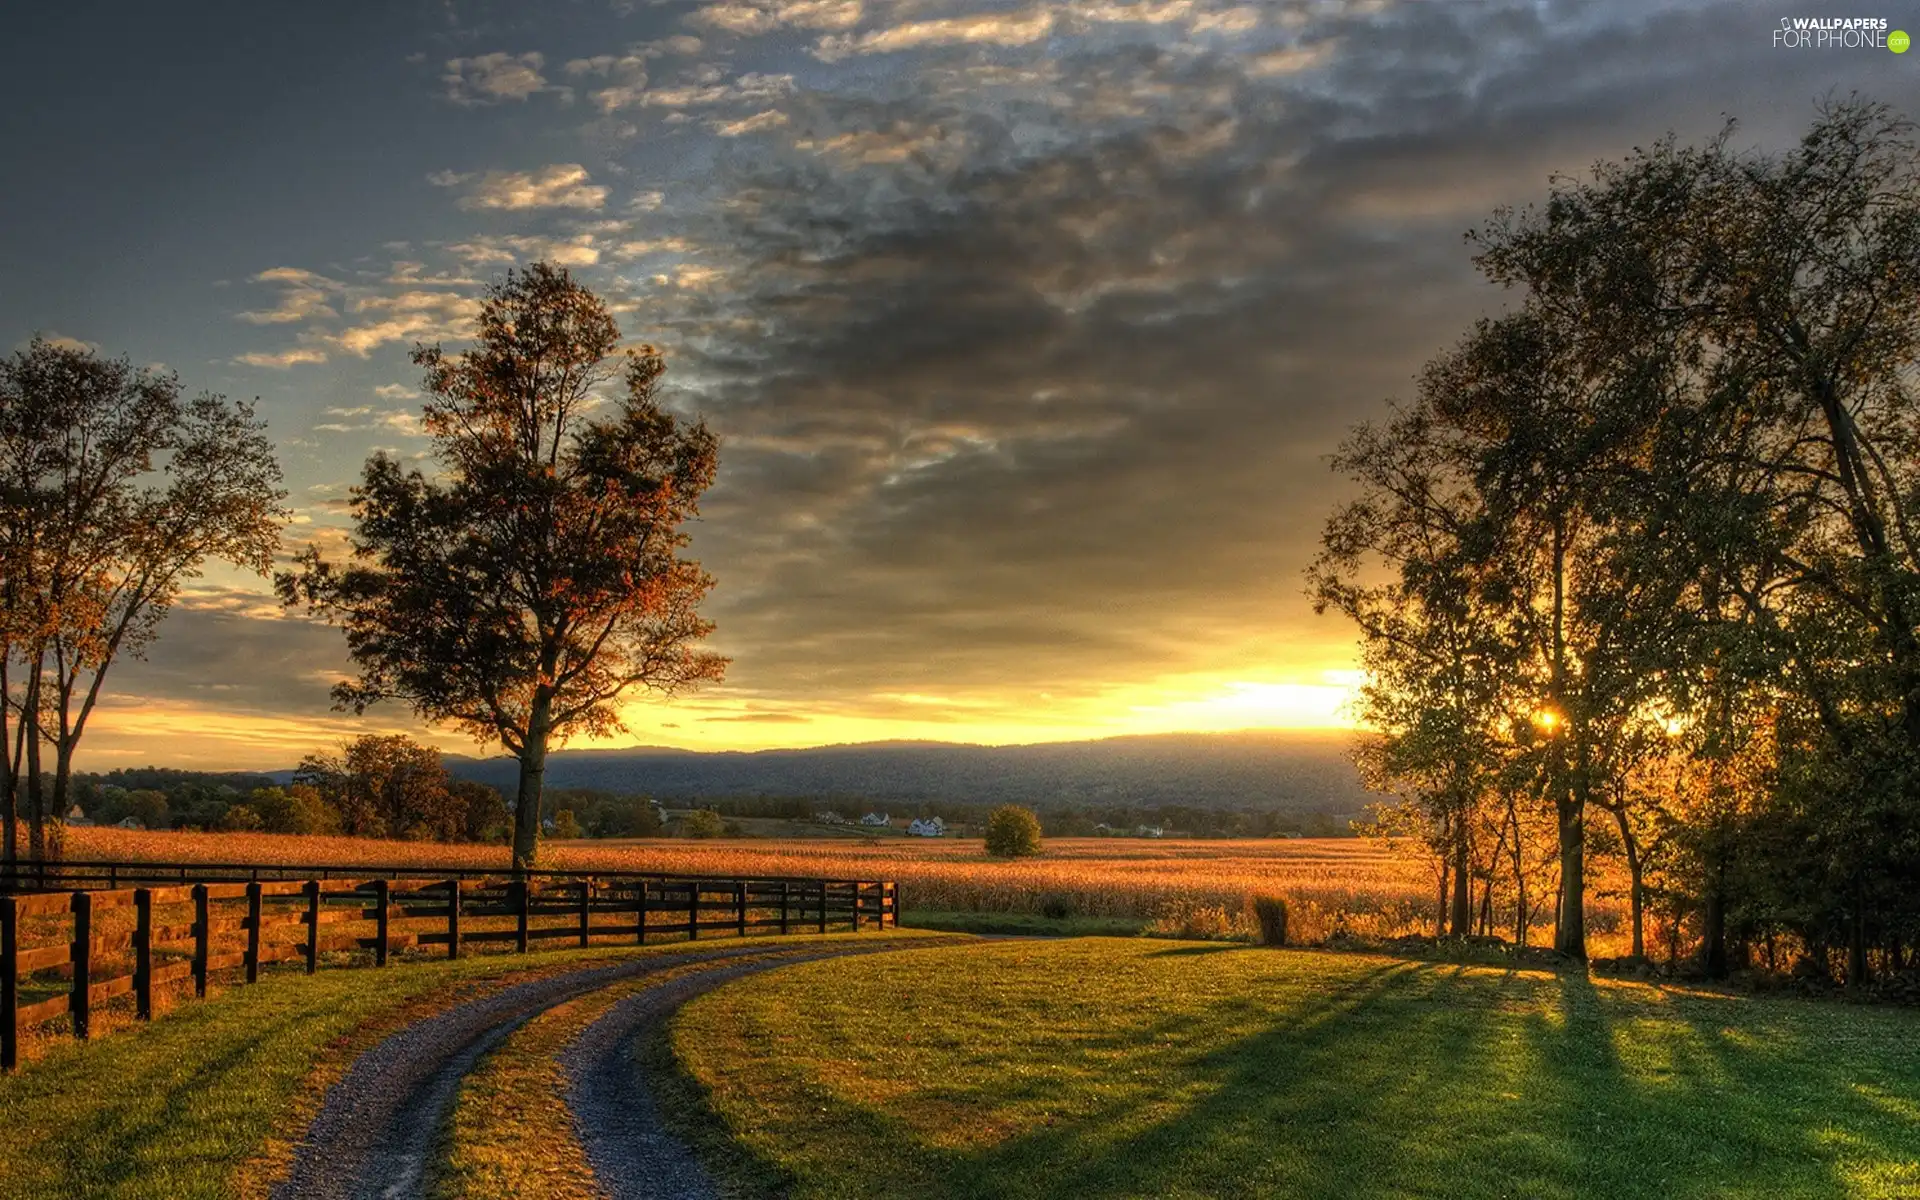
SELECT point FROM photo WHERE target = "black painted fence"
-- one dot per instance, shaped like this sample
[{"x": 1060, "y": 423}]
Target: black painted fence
[{"x": 100, "y": 943}]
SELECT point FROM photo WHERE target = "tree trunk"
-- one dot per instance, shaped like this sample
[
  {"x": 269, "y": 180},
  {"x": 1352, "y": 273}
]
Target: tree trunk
[
  {"x": 1440, "y": 909},
  {"x": 9, "y": 771},
  {"x": 1635, "y": 889},
  {"x": 1570, "y": 926},
  {"x": 36, "y": 790},
  {"x": 1714, "y": 930},
  {"x": 533, "y": 770},
  {"x": 1462, "y": 898},
  {"x": 1858, "y": 973}
]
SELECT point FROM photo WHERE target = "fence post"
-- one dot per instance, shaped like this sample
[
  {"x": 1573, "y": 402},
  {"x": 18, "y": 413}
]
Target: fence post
[
  {"x": 79, "y": 1002},
  {"x": 896, "y": 904},
  {"x": 9, "y": 982},
  {"x": 253, "y": 932},
  {"x": 143, "y": 953},
  {"x": 313, "y": 925},
  {"x": 783, "y": 908},
  {"x": 453, "y": 918},
  {"x": 823, "y": 906},
  {"x": 693, "y": 909},
  {"x": 380, "y": 917},
  {"x": 586, "y": 908},
  {"x": 521, "y": 888},
  {"x": 740, "y": 905},
  {"x": 640, "y": 936},
  {"x": 201, "y": 934}
]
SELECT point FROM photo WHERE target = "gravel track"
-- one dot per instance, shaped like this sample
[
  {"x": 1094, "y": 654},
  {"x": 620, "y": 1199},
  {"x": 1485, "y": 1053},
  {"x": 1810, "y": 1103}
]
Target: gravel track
[
  {"x": 615, "y": 1116},
  {"x": 381, "y": 1123}
]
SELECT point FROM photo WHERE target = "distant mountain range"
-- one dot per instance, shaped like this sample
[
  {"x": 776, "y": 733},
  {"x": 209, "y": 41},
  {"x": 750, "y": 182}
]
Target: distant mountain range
[{"x": 1286, "y": 772}]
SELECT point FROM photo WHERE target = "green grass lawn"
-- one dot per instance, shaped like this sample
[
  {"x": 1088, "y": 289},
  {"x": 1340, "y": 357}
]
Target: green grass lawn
[
  {"x": 187, "y": 1106},
  {"x": 1024, "y": 924},
  {"x": 1147, "y": 1068}
]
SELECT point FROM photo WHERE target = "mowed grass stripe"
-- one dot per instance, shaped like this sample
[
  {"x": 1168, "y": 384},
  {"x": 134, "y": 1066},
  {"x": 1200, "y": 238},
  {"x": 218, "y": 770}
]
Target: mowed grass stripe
[
  {"x": 206, "y": 1100},
  {"x": 1131, "y": 1068}
]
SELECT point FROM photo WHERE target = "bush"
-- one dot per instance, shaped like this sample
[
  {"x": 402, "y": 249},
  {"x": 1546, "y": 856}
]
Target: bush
[
  {"x": 1270, "y": 913},
  {"x": 565, "y": 826},
  {"x": 1013, "y": 832},
  {"x": 1056, "y": 906},
  {"x": 240, "y": 819},
  {"x": 702, "y": 823}
]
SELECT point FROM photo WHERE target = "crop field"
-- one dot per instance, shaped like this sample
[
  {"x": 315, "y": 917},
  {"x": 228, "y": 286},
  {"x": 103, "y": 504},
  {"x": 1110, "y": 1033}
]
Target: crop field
[{"x": 1195, "y": 888}]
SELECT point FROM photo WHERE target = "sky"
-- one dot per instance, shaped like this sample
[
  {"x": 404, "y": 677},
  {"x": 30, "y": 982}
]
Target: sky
[{"x": 1027, "y": 328}]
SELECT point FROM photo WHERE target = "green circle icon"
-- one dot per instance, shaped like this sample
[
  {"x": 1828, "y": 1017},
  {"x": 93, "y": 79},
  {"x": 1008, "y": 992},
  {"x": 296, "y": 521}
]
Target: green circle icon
[{"x": 1898, "y": 41}]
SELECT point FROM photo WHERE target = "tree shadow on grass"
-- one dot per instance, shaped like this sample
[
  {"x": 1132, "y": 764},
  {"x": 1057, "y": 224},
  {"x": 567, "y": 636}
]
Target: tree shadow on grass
[{"x": 1434, "y": 1080}]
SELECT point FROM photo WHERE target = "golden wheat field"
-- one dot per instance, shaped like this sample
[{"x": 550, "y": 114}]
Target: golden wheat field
[{"x": 1199, "y": 887}]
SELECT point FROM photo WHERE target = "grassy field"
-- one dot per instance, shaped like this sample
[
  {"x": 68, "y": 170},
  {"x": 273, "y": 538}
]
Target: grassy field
[
  {"x": 204, "y": 1102},
  {"x": 1139, "y": 1068},
  {"x": 1196, "y": 887}
]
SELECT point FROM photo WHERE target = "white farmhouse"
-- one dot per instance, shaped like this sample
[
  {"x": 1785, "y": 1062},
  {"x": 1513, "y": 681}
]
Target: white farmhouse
[
  {"x": 876, "y": 819},
  {"x": 928, "y": 827}
]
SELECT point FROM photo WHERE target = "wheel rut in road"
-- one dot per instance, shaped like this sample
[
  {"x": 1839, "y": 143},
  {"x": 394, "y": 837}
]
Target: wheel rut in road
[
  {"x": 381, "y": 1124},
  {"x": 615, "y": 1114}
]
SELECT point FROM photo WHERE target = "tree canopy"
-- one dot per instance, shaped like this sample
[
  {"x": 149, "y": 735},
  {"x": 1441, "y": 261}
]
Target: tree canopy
[
  {"x": 537, "y": 578},
  {"x": 1666, "y": 506}
]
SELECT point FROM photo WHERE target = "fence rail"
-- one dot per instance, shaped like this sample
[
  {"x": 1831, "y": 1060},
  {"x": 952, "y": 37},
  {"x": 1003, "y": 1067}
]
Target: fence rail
[
  {"x": 69, "y": 875},
  {"x": 100, "y": 944}
]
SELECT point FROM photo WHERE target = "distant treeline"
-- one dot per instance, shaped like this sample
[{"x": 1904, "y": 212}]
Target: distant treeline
[{"x": 394, "y": 787}]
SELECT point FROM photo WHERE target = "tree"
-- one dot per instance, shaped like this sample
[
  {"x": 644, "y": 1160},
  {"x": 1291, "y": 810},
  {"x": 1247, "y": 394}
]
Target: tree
[
  {"x": 1013, "y": 832},
  {"x": 537, "y": 580},
  {"x": 702, "y": 823},
  {"x": 484, "y": 810},
  {"x": 115, "y": 490},
  {"x": 388, "y": 786}
]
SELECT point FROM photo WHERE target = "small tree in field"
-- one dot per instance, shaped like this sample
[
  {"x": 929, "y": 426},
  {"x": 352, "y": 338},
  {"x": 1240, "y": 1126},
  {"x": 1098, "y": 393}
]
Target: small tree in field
[
  {"x": 535, "y": 581},
  {"x": 1013, "y": 832}
]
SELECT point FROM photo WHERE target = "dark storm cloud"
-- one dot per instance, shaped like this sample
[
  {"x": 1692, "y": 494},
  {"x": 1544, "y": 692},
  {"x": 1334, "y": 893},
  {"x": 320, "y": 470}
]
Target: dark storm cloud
[{"x": 1046, "y": 399}]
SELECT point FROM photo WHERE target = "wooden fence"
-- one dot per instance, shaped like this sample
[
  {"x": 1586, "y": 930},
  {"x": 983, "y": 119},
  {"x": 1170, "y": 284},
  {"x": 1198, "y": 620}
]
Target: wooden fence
[{"x": 181, "y": 932}]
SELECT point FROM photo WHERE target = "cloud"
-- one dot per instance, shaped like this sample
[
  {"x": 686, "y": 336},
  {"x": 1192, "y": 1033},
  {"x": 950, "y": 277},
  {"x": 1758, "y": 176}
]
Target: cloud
[
  {"x": 757, "y": 123},
  {"x": 281, "y": 359},
  {"x": 498, "y": 77},
  {"x": 753, "y": 17},
  {"x": 562, "y": 185},
  {"x": 577, "y": 250},
  {"x": 61, "y": 341},
  {"x": 1020, "y": 28}
]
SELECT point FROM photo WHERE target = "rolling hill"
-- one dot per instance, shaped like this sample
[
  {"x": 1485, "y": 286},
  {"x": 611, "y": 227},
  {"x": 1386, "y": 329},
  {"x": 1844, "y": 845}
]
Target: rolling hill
[{"x": 1288, "y": 772}]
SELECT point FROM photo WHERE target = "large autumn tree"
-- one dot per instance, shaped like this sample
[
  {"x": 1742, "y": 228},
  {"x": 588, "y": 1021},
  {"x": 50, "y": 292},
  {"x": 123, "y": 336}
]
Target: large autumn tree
[
  {"x": 536, "y": 578},
  {"x": 115, "y": 490}
]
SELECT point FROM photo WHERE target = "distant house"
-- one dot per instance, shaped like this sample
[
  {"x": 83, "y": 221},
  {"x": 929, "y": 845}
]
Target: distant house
[
  {"x": 1105, "y": 830},
  {"x": 77, "y": 816},
  {"x": 928, "y": 827},
  {"x": 829, "y": 817},
  {"x": 129, "y": 823},
  {"x": 1150, "y": 831},
  {"x": 876, "y": 819}
]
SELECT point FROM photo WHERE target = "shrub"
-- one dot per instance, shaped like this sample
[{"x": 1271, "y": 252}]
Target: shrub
[
  {"x": 702, "y": 823},
  {"x": 1270, "y": 913},
  {"x": 565, "y": 826},
  {"x": 240, "y": 819},
  {"x": 1013, "y": 832},
  {"x": 1056, "y": 906}
]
